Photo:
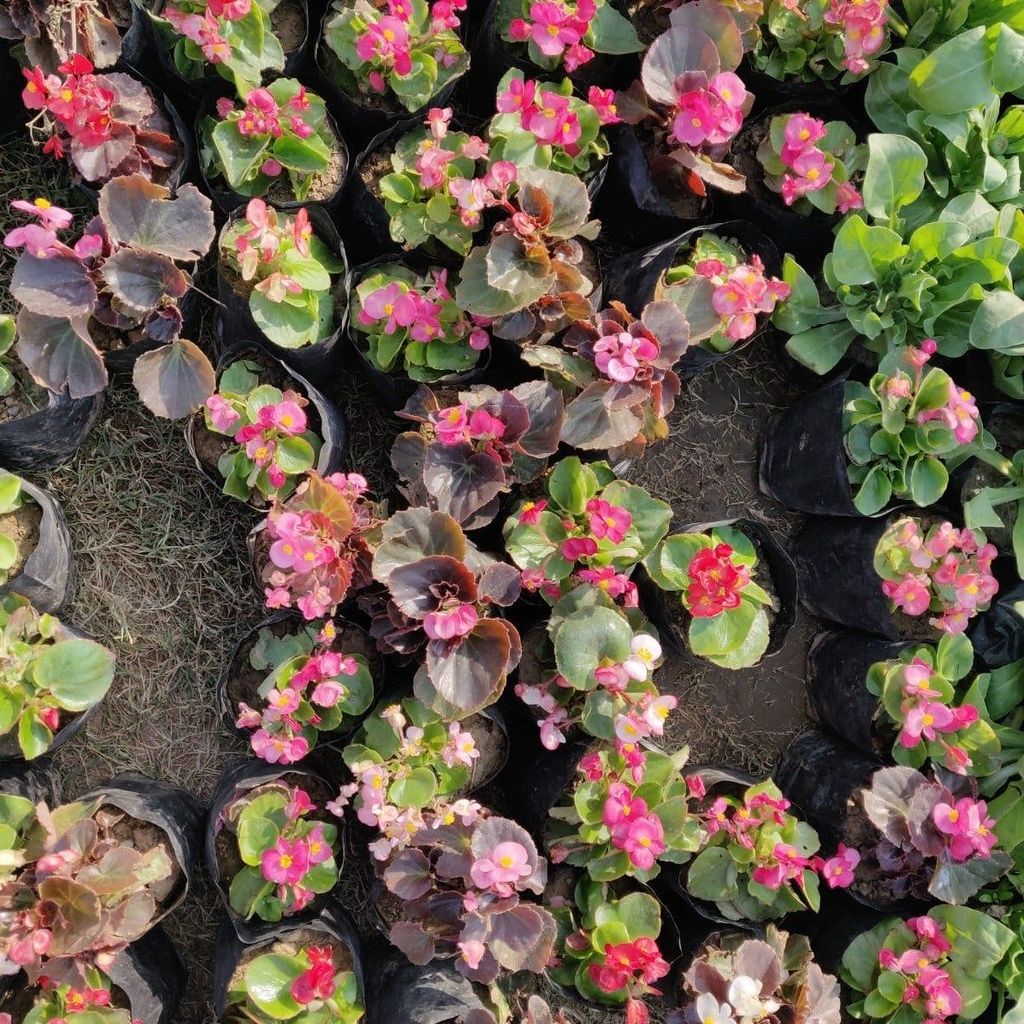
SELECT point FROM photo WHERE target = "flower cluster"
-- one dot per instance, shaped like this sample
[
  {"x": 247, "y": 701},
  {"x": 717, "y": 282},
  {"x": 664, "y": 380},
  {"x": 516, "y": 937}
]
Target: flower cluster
[
  {"x": 288, "y": 271},
  {"x": 557, "y": 29},
  {"x": 709, "y": 113},
  {"x": 806, "y": 159},
  {"x": 929, "y": 720},
  {"x": 287, "y": 853},
  {"x": 58, "y": 1001},
  {"x": 945, "y": 571},
  {"x": 440, "y": 184},
  {"x": 317, "y": 544},
  {"x": 108, "y": 124},
  {"x": 863, "y": 27},
  {"x": 635, "y": 965},
  {"x": 920, "y": 971},
  {"x": 741, "y": 292},
  {"x": 408, "y": 765},
  {"x": 304, "y": 697},
  {"x": 541, "y": 125},
  {"x": 716, "y": 581},
  {"x": 278, "y": 130},
  {"x": 414, "y": 316},
  {"x": 406, "y": 51},
  {"x": 967, "y": 827},
  {"x": 273, "y": 445},
  {"x": 775, "y": 869},
  {"x": 204, "y": 26}
]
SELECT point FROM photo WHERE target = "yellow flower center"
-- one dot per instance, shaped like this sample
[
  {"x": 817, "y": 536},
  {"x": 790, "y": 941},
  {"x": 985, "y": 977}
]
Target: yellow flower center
[{"x": 42, "y": 204}]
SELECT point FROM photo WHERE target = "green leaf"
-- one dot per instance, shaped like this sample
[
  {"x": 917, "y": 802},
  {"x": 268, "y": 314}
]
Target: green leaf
[
  {"x": 894, "y": 176},
  {"x": 416, "y": 789},
  {"x": 585, "y": 639},
  {"x": 268, "y": 982},
  {"x": 77, "y": 672},
  {"x": 956, "y": 76},
  {"x": 294, "y": 455},
  {"x": 34, "y": 738},
  {"x": 572, "y": 485},
  {"x": 255, "y": 834},
  {"x": 862, "y": 253},
  {"x": 998, "y": 324},
  {"x": 928, "y": 480},
  {"x": 821, "y": 348}
]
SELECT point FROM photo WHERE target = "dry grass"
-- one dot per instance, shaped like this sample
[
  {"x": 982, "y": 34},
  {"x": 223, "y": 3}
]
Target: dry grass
[{"x": 163, "y": 578}]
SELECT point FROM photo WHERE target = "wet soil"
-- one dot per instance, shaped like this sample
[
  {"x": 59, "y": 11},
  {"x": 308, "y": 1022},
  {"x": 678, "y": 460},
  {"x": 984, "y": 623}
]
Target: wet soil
[{"x": 288, "y": 21}]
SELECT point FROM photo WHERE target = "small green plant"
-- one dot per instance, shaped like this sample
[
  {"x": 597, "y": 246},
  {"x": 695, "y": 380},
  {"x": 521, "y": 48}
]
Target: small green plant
[
  {"x": 44, "y": 671},
  {"x": 12, "y": 498},
  {"x": 272, "y": 443},
  {"x": 8, "y": 333},
  {"x": 88, "y": 1001}
]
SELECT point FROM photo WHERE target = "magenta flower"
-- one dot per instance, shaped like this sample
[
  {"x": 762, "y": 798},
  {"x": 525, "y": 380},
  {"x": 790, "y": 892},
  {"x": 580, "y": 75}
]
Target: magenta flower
[
  {"x": 392, "y": 303},
  {"x": 552, "y": 30},
  {"x": 911, "y": 594},
  {"x": 838, "y": 869},
  {"x": 502, "y": 869},
  {"x": 286, "y": 862},
  {"x": 603, "y": 101},
  {"x": 621, "y": 805},
  {"x": 576, "y": 548},
  {"x": 801, "y": 133},
  {"x": 642, "y": 839},
  {"x": 53, "y": 218},
  {"x": 607, "y": 521}
]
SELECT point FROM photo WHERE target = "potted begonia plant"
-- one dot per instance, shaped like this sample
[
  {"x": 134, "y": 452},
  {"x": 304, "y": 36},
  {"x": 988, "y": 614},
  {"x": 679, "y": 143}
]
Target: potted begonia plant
[
  {"x": 406, "y": 326},
  {"x": 272, "y": 846},
  {"x": 199, "y": 42},
  {"x": 553, "y": 276},
  {"x": 735, "y": 974},
  {"x": 414, "y": 770},
  {"x": 617, "y": 371},
  {"x": 901, "y": 435},
  {"x": 36, "y": 559},
  {"x": 466, "y": 456},
  {"x": 114, "y": 299},
  {"x": 50, "y": 679},
  {"x": 936, "y": 965},
  {"x": 915, "y": 704},
  {"x": 904, "y": 576},
  {"x": 382, "y": 61},
  {"x": 280, "y": 278},
  {"x": 481, "y": 870},
  {"x": 443, "y": 595},
  {"x": 107, "y": 125},
  {"x": 72, "y": 913},
  {"x": 39, "y": 428},
  {"x": 279, "y": 143},
  {"x": 611, "y": 949},
  {"x": 300, "y": 974},
  {"x": 629, "y": 812},
  {"x": 590, "y": 526},
  {"x": 736, "y": 588},
  {"x": 723, "y": 278},
  {"x": 688, "y": 106},
  {"x": 291, "y": 688},
  {"x": 263, "y": 429},
  {"x": 333, "y": 520}
]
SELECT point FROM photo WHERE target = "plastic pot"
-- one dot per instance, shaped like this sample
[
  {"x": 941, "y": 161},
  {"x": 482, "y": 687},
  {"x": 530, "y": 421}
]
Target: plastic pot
[
  {"x": 213, "y": 84},
  {"x": 136, "y": 41},
  {"x": 998, "y": 634},
  {"x": 37, "y": 781},
  {"x": 238, "y": 778},
  {"x": 49, "y": 436},
  {"x": 227, "y": 200},
  {"x": 660, "y": 604},
  {"x": 151, "y": 973},
  {"x": 395, "y": 388},
  {"x": 400, "y": 991},
  {"x": 837, "y": 668},
  {"x": 172, "y": 810},
  {"x": 835, "y": 565},
  {"x": 293, "y": 622},
  {"x": 820, "y": 773},
  {"x": 635, "y": 280},
  {"x": 632, "y": 209},
  {"x": 332, "y": 923},
  {"x": 319, "y": 363},
  {"x": 325, "y": 418},
  {"x": 803, "y": 463},
  {"x": 362, "y": 122},
  {"x": 47, "y": 578}
]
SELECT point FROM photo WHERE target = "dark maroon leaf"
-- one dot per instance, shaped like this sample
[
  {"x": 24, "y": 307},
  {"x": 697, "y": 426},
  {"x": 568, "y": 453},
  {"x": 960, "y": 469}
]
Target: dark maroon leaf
[
  {"x": 413, "y": 534},
  {"x": 471, "y": 674},
  {"x": 59, "y": 352},
  {"x": 408, "y": 875},
  {"x": 165, "y": 324},
  {"x": 420, "y": 587},
  {"x": 413, "y": 941},
  {"x": 667, "y": 323},
  {"x": 545, "y": 407},
  {"x": 132, "y": 101},
  {"x": 421, "y": 404},
  {"x": 98, "y": 163},
  {"x": 500, "y": 584},
  {"x": 142, "y": 281},
  {"x": 407, "y": 456},
  {"x": 522, "y": 939},
  {"x": 461, "y": 480},
  {"x": 590, "y": 423},
  {"x": 507, "y": 407},
  {"x": 58, "y": 286}
]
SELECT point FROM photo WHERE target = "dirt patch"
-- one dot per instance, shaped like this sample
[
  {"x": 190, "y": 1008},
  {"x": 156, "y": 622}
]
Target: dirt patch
[
  {"x": 22, "y": 526},
  {"x": 744, "y": 159},
  {"x": 209, "y": 445},
  {"x": 492, "y": 743},
  {"x": 290, "y": 947},
  {"x": 343, "y": 79},
  {"x": 25, "y": 398},
  {"x": 374, "y": 166},
  {"x": 288, "y": 22}
]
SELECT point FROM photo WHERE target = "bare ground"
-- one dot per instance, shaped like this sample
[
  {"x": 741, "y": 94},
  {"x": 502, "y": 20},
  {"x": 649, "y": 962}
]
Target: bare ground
[{"x": 163, "y": 578}]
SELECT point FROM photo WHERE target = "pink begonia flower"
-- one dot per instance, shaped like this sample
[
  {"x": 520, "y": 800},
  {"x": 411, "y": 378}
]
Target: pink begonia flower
[
  {"x": 644, "y": 654},
  {"x": 608, "y": 522},
  {"x": 656, "y": 713},
  {"x": 223, "y": 415},
  {"x": 642, "y": 840},
  {"x": 393, "y": 303},
  {"x": 801, "y": 133},
  {"x": 848, "y": 198},
  {"x": 590, "y": 765},
  {"x": 529, "y": 512},
  {"x": 912, "y": 595},
  {"x": 484, "y": 426},
  {"x": 472, "y": 952},
  {"x": 286, "y": 862},
  {"x": 552, "y": 29},
  {"x": 518, "y": 96},
  {"x": 620, "y": 804},
  {"x": 36, "y": 240},
  {"x": 461, "y": 747},
  {"x": 603, "y": 101},
  {"x": 551, "y": 735},
  {"x": 629, "y": 729},
  {"x": 925, "y": 721},
  {"x": 501, "y": 870},
  {"x": 88, "y": 246},
  {"x": 53, "y": 218},
  {"x": 838, "y": 869},
  {"x": 576, "y": 548},
  {"x": 446, "y": 623}
]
